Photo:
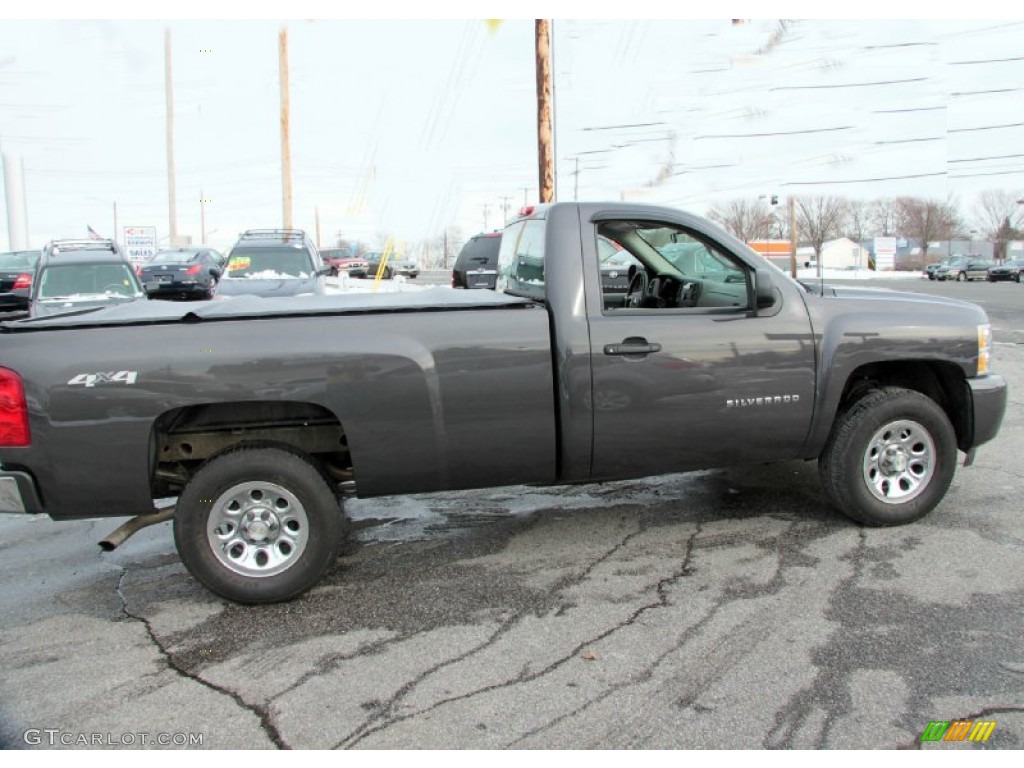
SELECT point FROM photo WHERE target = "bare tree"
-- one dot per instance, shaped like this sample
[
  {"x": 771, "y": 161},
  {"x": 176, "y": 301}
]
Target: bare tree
[
  {"x": 820, "y": 219},
  {"x": 857, "y": 223},
  {"x": 927, "y": 220},
  {"x": 884, "y": 216},
  {"x": 749, "y": 220},
  {"x": 1000, "y": 215},
  {"x": 780, "y": 223},
  {"x": 446, "y": 247}
]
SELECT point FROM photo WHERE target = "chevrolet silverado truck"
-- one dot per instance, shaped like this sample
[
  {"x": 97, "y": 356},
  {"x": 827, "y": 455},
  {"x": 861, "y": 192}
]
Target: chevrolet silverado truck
[{"x": 258, "y": 414}]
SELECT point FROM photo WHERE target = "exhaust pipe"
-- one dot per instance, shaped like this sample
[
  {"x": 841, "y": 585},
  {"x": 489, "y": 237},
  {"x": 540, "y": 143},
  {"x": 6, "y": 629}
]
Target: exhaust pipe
[{"x": 133, "y": 526}]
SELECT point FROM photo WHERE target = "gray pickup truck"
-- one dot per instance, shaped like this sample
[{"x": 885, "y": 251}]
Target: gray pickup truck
[{"x": 256, "y": 413}]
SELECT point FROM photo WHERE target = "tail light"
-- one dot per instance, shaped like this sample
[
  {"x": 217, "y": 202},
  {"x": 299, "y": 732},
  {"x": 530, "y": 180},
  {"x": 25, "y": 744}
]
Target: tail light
[
  {"x": 138, "y": 270},
  {"x": 24, "y": 281},
  {"x": 13, "y": 411},
  {"x": 194, "y": 269}
]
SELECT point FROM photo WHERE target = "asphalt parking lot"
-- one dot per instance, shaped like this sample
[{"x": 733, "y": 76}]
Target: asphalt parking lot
[{"x": 718, "y": 609}]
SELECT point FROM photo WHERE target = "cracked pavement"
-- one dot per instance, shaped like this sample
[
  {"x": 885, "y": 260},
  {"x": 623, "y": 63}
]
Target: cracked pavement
[{"x": 721, "y": 609}]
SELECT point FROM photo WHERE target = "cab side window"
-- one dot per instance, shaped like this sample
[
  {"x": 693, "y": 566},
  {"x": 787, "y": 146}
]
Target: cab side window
[
  {"x": 675, "y": 269},
  {"x": 521, "y": 260}
]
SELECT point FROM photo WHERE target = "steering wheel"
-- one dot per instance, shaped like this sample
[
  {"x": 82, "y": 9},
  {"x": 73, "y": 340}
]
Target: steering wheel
[{"x": 637, "y": 289}]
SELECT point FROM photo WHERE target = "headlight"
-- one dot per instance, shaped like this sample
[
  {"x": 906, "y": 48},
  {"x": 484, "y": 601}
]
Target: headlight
[{"x": 984, "y": 347}]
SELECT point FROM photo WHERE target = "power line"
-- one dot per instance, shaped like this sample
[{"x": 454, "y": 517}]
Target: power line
[
  {"x": 984, "y": 128},
  {"x": 987, "y": 61},
  {"x": 774, "y": 133},
  {"x": 910, "y": 141},
  {"x": 990, "y": 157},
  {"x": 847, "y": 85},
  {"x": 861, "y": 181},
  {"x": 907, "y": 109},
  {"x": 982, "y": 93},
  {"x": 993, "y": 173}
]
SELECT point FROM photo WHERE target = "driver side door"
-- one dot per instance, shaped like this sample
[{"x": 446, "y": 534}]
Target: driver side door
[{"x": 687, "y": 375}]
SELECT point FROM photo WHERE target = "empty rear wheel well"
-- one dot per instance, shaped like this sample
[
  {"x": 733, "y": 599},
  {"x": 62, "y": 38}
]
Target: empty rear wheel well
[{"x": 185, "y": 438}]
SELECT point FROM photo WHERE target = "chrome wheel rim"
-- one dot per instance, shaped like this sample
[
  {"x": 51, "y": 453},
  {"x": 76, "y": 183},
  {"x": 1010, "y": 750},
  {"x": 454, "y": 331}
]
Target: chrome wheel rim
[
  {"x": 257, "y": 529},
  {"x": 899, "y": 462}
]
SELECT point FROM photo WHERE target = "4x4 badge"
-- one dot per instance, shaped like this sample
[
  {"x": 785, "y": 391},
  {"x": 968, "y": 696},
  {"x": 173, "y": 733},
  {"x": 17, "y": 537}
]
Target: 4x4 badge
[{"x": 108, "y": 377}]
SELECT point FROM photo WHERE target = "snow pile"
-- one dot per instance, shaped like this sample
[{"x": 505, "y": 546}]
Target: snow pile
[{"x": 343, "y": 283}]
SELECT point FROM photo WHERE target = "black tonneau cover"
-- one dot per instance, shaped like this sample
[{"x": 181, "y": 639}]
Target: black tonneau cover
[{"x": 439, "y": 298}]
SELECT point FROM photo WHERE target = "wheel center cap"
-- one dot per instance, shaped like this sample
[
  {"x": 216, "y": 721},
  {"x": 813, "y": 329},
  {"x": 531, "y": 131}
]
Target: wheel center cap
[
  {"x": 258, "y": 529},
  {"x": 895, "y": 462}
]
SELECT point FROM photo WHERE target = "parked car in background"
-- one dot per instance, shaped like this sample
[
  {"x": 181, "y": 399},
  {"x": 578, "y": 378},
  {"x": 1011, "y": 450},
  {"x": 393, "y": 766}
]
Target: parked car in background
[
  {"x": 17, "y": 268},
  {"x": 343, "y": 261},
  {"x": 1010, "y": 270},
  {"x": 617, "y": 267},
  {"x": 82, "y": 274},
  {"x": 373, "y": 265},
  {"x": 476, "y": 266},
  {"x": 965, "y": 268},
  {"x": 408, "y": 268},
  {"x": 932, "y": 269},
  {"x": 182, "y": 273},
  {"x": 273, "y": 262}
]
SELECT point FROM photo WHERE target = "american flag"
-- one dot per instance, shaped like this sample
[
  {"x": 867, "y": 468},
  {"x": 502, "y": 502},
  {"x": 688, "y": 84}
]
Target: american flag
[{"x": 93, "y": 234}]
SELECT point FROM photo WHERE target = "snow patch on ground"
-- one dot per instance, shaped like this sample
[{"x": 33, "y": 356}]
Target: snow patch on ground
[
  {"x": 854, "y": 274},
  {"x": 426, "y": 516},
  {"x": 345, "y": 284}
]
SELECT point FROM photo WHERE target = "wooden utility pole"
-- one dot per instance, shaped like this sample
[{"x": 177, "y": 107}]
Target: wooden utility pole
[
  {"x": 172, "y": 203},
  {"x": 545, "y": 134},
  {"x": 115, "y": 221},
  {"x": 316, "y": 215},
  {"x": 792, "y": 236},
  {"x": 286, "y": 154},
  {"x": 202, "y": 217}
]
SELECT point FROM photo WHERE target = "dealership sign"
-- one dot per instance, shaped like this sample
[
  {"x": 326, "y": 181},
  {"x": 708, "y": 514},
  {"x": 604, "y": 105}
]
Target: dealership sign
[{"x": 139, "y": 242}]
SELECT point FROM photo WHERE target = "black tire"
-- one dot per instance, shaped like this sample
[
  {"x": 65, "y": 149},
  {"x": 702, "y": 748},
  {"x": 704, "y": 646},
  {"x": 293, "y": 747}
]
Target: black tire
[
  {"x": 961, "y": 277},
  {"x": 889, "y": 420},
  {"x": 258, "y": 500}
]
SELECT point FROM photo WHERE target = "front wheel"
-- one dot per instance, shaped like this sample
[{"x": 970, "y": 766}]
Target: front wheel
[
  {"x": 890, "y": 458},
  {"x": 258, "y": 525}
]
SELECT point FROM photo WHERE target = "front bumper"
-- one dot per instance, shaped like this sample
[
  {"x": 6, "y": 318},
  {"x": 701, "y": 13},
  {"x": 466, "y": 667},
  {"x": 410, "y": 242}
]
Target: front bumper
[
  {"x": 18, "y": 493},
  {"x": 988, "y": 404}
]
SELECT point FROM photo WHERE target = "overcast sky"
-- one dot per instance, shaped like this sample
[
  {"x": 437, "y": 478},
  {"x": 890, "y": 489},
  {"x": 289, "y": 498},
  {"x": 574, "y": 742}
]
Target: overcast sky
[{"x": 406, "y": 127}]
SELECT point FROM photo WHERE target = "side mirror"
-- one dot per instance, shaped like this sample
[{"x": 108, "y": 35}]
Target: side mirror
[
  {"x": 215, "y": 273},
  {"x": 325, "y": 270},
  {"x": 764, "y": 289}
]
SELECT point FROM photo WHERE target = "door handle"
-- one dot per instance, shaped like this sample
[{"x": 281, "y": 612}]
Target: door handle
[{"x": 634, "y": 345}]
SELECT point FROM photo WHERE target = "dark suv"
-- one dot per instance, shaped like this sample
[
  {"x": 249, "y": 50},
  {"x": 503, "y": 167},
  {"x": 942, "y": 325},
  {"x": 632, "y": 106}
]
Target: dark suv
[
  {"x": 273, "y": 262},
  {"x": 477, "y": 262},
  {"x": 82, "y": 274}
]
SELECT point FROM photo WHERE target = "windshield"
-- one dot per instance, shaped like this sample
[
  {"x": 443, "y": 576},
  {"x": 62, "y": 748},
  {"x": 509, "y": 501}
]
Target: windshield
[
  {"x": 175, "y": 257},
  {"x": 270, "y": 263},
  {"x": 64, "y": 281},
  {"x": 19, "y": 260}
]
